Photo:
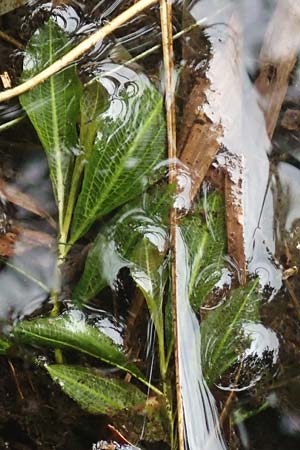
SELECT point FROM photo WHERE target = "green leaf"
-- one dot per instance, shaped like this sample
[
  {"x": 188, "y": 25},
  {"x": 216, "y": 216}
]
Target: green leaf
[
  {"x": 72, "y": 331},
  {"x": 94, "y": 102},
  {"x": 222, "y": 335},
  {"x": 4, "y": 346},
  {"x": 117, "y": 240},
  {"x": 130, "y": 142},
  {"x": 53, "y": 106},
  {"x": 94, "y": 393},
  {"x": 204, "y": 233}
]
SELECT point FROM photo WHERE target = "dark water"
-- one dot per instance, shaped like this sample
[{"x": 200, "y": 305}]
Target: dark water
[{"x": 254, "y": 403}]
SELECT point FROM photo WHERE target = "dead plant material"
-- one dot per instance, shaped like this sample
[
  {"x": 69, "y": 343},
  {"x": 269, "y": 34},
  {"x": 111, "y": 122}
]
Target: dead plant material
[
  {"x": 7, "y": 244},
  {"x": 7, "y": 38},
  {"x": 16, "y": 380},
  {"x": 277, "y": 59},
  {"x": 5, "y": 79},
  {"x": 14, "y": 195},
  {"x": 199, "y": 139},
  {"x": 19, "y": 240},
  {"x": 168, "y": 58},
  {"x": 32, "y": 238},
  {"x": 77, "y": 51},
  {"x": 291, "y": 120},
  {"x": 235, "y": 215}
]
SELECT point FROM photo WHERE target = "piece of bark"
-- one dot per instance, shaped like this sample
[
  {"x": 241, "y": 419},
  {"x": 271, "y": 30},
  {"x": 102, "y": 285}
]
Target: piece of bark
[
  {"x": 14, "y": 195},
  {"x": 277, "y": 59},
  {"x": 198, "y": 143},
  {"x": 234, "y": 207},
  {"x": 201, "y": 139}
]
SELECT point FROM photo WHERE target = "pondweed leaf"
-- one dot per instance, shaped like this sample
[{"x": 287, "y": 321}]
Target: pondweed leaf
[
  {"x": 117, "y": 240},
  {"x": 73, "y": 332},
  {"x": 204, "y": 233},
  {"x": 94, "y": 101},
  {"x": 149, "y": 269},
  {"x": 53, "y": 106},
  {"x": 129, "y": 144},
  {"x": 222, "y": 335},
  {"x": 4, "y": 346},
  {"x": 94, "y": 393}
]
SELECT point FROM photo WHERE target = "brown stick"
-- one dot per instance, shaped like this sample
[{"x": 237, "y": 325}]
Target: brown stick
[
  {"x": 78, "y": 51},
  {"x": 277, "y": 59},
  {"x": 168, "y": 56}
]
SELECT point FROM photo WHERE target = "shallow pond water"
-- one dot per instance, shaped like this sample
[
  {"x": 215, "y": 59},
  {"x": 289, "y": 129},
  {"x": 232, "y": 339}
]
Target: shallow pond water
[{"x": 135, "y": 313}]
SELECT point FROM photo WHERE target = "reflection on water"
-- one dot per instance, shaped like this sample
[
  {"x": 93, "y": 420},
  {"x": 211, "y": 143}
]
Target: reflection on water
[
  {"x": 267, "y": 198},
  {"x": 202, "y": 430}
]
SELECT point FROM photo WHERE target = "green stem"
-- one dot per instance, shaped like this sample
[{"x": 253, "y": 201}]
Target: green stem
[{"x": 76, "y": 177}]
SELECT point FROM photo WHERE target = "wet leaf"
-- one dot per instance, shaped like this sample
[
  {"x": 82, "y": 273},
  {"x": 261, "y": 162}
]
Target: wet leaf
[
  {"x": 73, "y": 332},
  {"x": 118, "y": 238},
  {"x": 149, "y": 269},
  {"x": 94, "y": 102},
  {"x": 53, "y": 106},
  {"x": 4, "y": 346},
  {"x": 204, "y": 233},
  {"x": 14, "y": 195},
  {"x": 223, "y": 339},
  {"x": 129, "y": 143},
  {"x": 94, "y": 393}
]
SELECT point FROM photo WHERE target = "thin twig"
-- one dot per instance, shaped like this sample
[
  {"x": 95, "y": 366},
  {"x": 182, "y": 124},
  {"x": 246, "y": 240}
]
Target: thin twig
[
  {"x": 168, "y": 57},
  {"x": 11, "y": 40},
  {"x": 13, "y": 371},
  {"x": 77, "y": 51}
]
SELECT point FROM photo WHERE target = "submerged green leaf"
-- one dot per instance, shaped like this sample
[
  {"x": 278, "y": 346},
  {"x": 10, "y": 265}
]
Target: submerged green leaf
[
  {"x": 130, "y": 142},
  {"x": 53, "y": 106},
  {"x": 4, "y": 346},
  {"x": 118, "y": 239},
  {"x": 204, "y": 233},
  {"x": 94, "y": 102},
  {"x": 73, "y": 332},
  {"x": 95, "y": 393},
  {"x": 222, "y": 333}
]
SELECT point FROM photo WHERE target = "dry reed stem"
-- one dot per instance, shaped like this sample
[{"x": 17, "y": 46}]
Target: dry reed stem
[
  {"x": 77, "y": 51},
  {"x": 7, "y": 38},
  {"x": 168, "y": 57}
]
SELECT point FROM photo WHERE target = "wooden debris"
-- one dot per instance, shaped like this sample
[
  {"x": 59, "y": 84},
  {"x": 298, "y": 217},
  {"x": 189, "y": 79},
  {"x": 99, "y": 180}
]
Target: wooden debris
[
  {"x": 235, "y": 216},
  {"x": 14, "y": 195},
  {"x": 6, "y": 81},
  {"x": 198, "y": 143},
  {"x": 277, "y": 59},
  {"x": 14, "y": 42},
  {"x": 291, "y": 120}
]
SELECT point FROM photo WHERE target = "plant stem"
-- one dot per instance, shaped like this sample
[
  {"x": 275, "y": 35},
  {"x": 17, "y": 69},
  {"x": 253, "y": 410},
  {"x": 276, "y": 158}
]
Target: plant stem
[
  {"x": 65, "y": 247},
  {"x": 78, "y": 51}
]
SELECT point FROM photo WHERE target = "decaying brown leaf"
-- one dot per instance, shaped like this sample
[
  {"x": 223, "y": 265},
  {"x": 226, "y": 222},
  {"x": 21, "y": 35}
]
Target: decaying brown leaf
[
  {"x": 14, "y": 195},
  {"x": 19, "y": 240}
]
